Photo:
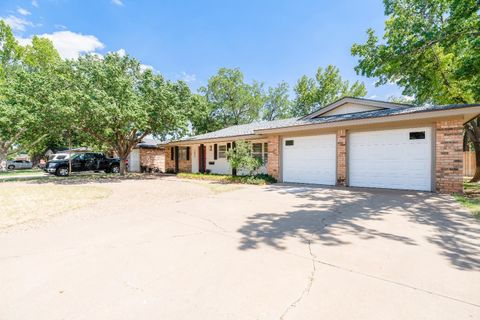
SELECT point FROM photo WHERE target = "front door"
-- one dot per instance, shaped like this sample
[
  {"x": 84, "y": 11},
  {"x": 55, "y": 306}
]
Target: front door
[
  {"x": 195, "y": 162},
  {"x": 202, "y": 158}
]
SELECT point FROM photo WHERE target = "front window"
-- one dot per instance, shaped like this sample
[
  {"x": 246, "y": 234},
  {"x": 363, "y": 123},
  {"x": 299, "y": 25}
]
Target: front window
[
  {"x": 222, "y": 151},
  {"x": 260, "y": 151},
  {"x": 182, "y": 153}
]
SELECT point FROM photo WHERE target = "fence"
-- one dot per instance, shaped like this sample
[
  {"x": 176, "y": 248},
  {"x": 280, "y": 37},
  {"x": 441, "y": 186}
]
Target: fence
[{"x": 469, "y": 165}]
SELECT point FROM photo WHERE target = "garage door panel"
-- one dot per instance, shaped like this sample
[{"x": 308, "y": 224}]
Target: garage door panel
[
  {"x": 390, "y": 159},
  {"x": 310, "y": 159}
]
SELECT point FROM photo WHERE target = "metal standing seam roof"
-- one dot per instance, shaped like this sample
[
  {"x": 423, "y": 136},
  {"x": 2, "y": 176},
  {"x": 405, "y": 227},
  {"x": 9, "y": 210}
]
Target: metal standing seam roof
[{"x": 250, "y": 128}]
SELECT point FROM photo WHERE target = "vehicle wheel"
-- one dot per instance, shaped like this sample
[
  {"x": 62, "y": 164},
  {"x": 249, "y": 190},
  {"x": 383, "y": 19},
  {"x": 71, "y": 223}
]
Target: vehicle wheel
[
  {"x": 115, "y": 169},
  {"x": 11, "y": 167},
  {"x": 62, "y": 172}
]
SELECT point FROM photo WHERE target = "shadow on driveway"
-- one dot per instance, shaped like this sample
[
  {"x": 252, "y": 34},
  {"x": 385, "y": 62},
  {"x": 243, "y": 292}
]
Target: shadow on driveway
[{"x": 330, "y": 212}]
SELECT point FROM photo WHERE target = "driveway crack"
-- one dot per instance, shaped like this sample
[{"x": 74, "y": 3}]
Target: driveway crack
[{"x": 308, "y": 287}]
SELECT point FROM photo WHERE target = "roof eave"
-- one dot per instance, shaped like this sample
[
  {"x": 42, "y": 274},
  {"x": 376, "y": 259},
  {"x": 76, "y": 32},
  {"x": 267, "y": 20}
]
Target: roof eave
[
  {"x": 468, "y": 113},
  {"x": 362, "y": 101},
  {"x": 211, "y": 140}
]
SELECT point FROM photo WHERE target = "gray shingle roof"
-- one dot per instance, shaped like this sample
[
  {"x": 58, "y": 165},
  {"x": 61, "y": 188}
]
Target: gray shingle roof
[
  {"x": 249, "y": 129},
  {"x": 243, "y": 129}
]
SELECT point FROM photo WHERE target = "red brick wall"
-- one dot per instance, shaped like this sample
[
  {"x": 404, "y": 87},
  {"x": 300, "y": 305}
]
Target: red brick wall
[
  {"x": 153, "y": 158},
  {"x": 273, "y": 166},
  {"x": 183, "y": 165},
  {"x": 342, "y": 157},
  {"x": 449, "y": 156}
]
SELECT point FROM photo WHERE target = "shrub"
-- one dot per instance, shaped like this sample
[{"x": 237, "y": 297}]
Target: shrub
[
  {"x": 259, "y": 179},
  {"x": 240, "y": 157}
]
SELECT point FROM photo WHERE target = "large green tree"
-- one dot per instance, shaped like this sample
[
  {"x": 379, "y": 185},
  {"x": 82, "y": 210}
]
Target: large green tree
[
  {"x": 117, "y": 103},
  {"x": 27, "y": 92},
  {"x": 326, "y": 87},
  {"x": 277, "y": 104},
  {"x": 431, "y": 49},
  {"x": 229, "y": 101}
]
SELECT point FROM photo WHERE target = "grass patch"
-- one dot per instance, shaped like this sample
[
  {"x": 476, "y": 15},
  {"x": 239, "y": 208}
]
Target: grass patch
[
  {"x": 31, "y": 204},
  {"x": 79, "y": 178},
  {"x": 259, "y": 179},
  {"x": 22, "y": 172},
  {"x": 470, "y": 199}
]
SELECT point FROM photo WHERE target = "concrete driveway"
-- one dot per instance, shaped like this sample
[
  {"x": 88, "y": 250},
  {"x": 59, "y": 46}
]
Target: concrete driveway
[{"x": 172, "y": 249}]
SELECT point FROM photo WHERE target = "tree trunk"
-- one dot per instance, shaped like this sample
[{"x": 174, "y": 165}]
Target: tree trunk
[
  {"x": 476, "y": 176},
  {"x": 3, "y": 161},
  {"x": 123, "y": 167}
]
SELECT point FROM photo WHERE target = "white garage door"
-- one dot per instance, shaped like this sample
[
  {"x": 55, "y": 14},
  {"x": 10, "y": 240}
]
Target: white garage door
[
  {"x": 394, "y": 159},
  {"x": 134, "y": 161},
  {"x": 309, "y": 159}
]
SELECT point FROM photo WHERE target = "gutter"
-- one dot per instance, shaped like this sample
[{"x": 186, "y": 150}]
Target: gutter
[{"x": 431, "y": 114}]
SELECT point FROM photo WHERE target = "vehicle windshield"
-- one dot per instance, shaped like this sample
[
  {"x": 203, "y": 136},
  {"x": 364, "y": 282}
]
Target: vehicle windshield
[{"x": 77, "y": 156}]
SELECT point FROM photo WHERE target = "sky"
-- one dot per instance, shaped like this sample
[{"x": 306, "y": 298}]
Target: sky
[{"x": 270, "y": 41}]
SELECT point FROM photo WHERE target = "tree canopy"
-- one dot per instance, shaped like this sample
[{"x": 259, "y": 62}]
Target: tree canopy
[
  {"x": 232, "y": 101},
  {"x": 117, "y": 103},
  {"x": 27, "y": 92},
  {"x": 432, "y": 50},
  {"x": 325, "y": 88},
  {"x": 277, "y": 104}
]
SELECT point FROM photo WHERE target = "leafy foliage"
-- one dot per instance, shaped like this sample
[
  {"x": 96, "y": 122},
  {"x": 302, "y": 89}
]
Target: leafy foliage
[
  {"x": 276, "y": 103},
  {"x": 258, "y": 179},
  {"x": 28, "y": 88},
  {"x": 118, "y": 104},
  {"x": 325, "y": 88},
  {"x": 432, "y": 50},
  {"x": 240, "y": 157},
  {"x": 228, "y": 101}
]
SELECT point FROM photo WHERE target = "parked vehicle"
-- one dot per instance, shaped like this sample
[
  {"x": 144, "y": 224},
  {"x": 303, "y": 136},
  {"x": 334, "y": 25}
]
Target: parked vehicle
[
  {"x": 58, "y": 156},
  {"x": 86, "y": 161},
  {"x": 19, "y": 164}
]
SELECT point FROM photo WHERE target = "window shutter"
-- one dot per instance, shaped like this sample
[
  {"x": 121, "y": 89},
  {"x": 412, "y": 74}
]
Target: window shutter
[
  {"x": 172, "y": 154},
  {"x": 188, "y": 153},
  {"x": 215, "y": 151}
]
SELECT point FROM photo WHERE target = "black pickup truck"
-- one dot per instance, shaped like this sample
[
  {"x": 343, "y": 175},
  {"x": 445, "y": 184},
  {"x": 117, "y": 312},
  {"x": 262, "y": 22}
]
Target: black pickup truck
[{"x": 87, "y": 161}]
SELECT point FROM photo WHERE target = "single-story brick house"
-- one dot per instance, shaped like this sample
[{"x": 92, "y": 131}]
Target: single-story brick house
[
  {"x": 351, "y": 142},
  {"x": 147, "y": 155}
]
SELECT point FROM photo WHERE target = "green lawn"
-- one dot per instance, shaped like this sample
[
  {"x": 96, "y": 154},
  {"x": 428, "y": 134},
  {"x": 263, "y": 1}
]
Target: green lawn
[
  {"x": 471, "y": 197},
  {"x": 24, "y": 172}
]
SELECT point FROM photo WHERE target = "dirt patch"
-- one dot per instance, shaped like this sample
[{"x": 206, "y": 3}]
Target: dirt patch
[{"x": 24, "y": 204}]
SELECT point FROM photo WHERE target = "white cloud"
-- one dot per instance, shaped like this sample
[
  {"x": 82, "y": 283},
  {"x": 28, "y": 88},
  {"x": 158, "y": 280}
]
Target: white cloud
[
  {"x": 372, "y": 96},
  {"x": 70, "y": 45},
  {"x": 188, "y": 77},
  {"x": 117, "y": 2},
  {"x": 121, "y": 52},
  {"x": 145, "y": 67},
  {"x": 35, "y": 3},
  {"x": 17, "y": 23},
  {"x": 23, "y": 12}
]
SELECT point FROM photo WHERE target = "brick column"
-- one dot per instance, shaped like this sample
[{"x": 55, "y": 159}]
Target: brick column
[
  {"x": 449, "y": 156},
  {"x": 342, "y": 157},
  {"x": 169, "y": 163},
  {"x": 273, "y": 165}
]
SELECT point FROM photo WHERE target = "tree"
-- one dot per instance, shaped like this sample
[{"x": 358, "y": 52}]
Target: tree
[
  {"x": 277, "y": 104},
  {"x": 27, "y": 92},
  {"x": 230, "y": 100},
  {"x": 328, "y": 86},
  {"x": 118, "y": 103},
  {"x": 240, "y": 158},
  {"x": 432, "y": 50},
  {"x": 202, "y": 116}
]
